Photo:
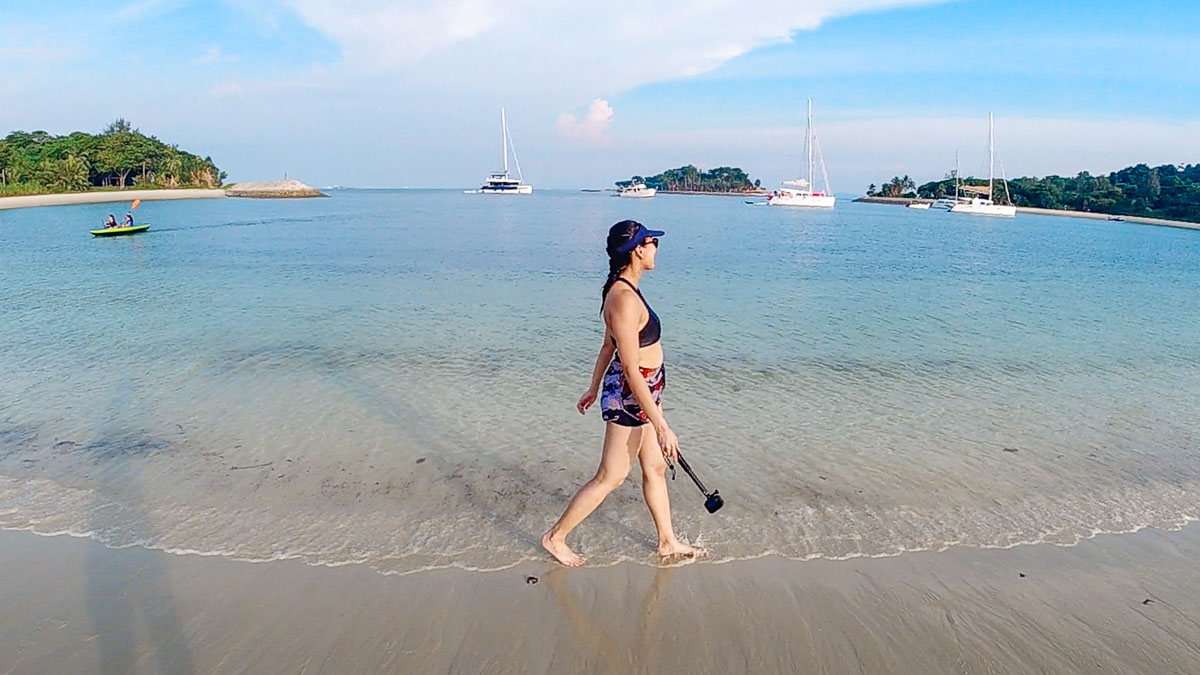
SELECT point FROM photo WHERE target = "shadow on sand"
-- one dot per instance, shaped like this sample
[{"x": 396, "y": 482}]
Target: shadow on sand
[{"x": 133, "y": 611}]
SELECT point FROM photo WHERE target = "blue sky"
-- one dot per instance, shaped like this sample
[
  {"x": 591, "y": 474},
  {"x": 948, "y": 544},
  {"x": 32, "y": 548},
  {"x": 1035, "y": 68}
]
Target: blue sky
[{"x": 407, "y": 93}]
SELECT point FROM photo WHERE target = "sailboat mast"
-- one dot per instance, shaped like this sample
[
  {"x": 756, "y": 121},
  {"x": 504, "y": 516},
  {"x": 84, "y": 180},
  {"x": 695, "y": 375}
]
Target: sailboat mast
[
  {"x": 956, "y": 179},
  {"x": 991, "y": 156},
  {"x": 504, "y": 131},
  {"x": 808, "y": 142}
]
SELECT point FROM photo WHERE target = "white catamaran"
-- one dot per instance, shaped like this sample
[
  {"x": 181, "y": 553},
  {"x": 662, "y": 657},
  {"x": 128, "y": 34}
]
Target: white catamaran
[
  {"x": 981, "y": 203},
  {"x": 499, "y": 182},
  {"x": 799, "y": 192}
]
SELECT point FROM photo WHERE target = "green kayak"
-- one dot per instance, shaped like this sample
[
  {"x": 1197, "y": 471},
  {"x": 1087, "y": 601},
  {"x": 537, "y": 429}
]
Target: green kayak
[{"x": 117, "y": 231}]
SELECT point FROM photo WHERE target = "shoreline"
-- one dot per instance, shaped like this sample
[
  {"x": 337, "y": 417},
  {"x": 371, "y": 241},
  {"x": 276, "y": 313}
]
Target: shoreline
[
  {"x": 1064, "y": 213},
  {"x": 1123, "y": 602},
  {"x": 713, "y": 194},
  {"x": 72, "y": 198}
]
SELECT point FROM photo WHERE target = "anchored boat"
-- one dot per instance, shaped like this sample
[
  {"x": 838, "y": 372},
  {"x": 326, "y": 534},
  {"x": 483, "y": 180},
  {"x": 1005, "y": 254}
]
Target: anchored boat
[
  {"x": 799, "y": 191},
  {"x": 981, "y": 203},
  {"x": 499, "y": 182}
]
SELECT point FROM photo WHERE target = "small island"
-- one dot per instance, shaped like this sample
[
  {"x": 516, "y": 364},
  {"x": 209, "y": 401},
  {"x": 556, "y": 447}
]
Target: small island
[{"x": 723, "y": 180}]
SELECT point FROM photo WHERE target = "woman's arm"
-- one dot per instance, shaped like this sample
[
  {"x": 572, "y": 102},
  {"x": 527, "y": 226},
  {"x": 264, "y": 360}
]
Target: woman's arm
[{"x": 602, "y": 360}]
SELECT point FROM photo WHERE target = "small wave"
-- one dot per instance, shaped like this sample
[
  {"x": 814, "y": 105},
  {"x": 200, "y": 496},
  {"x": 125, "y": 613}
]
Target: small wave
[{"x": 617, "y": 560}]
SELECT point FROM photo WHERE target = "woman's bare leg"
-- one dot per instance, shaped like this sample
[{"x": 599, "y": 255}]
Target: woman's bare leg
[
  {"x": 654, "y": 488},
  {"x": 621, "y": 445}
]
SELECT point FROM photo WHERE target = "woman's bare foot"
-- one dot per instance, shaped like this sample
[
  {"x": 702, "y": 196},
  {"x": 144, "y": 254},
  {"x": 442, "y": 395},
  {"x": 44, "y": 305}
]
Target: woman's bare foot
[
  {"x": 561, "y": 552},
  {"x": 678, "y": 549}
]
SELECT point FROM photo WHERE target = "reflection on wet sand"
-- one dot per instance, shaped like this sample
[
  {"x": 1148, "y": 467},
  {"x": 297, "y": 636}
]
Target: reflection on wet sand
[{"x": 627, "y": 653}]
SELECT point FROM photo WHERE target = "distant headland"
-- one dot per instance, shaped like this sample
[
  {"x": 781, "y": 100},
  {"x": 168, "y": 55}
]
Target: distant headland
[
  {"x": 119, "y": 157},
  {"x": 1167, "y": 192},
  {"x": 117, "y": 165}
]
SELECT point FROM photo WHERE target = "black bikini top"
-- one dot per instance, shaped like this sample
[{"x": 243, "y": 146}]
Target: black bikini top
[{"x": 652, "y": 331}]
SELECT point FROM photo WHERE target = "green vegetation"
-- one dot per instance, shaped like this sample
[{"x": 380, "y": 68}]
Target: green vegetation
[
  {"x": 690, "y": 179},
  {"x": 896, "y": 187},
  {"x": 38, "y": 163},
  {"x": 1166, "y": 191}
]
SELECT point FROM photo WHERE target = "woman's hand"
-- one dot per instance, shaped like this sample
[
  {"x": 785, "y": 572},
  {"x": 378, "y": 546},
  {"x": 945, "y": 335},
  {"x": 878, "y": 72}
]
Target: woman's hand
[
  {"x": 668, "y": 442},
  {"x": 586, "y": 401}
]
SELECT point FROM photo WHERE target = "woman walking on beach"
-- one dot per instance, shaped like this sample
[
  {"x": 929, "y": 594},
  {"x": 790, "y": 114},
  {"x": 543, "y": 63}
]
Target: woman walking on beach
[{"x": 633, "y": 381}]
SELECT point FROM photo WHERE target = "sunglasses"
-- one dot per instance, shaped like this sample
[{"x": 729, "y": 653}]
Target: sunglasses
[{"x": 651, "y": 241}]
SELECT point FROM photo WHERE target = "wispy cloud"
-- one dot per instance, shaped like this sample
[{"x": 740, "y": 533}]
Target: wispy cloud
[
  {"x": 592, "y": 129},
  {"x": 382, "y": 34},
  {"x": 258, "y": 87},
  {"x": 40, "y": 54},
  {"x": 140, "y": 9},
  {"x": 583, "y": 47},
  {"x": 213, "y": 55}
]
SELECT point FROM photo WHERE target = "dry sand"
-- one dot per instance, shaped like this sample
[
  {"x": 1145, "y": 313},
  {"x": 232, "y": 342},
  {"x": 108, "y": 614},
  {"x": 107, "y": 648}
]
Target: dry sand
[
  {"x": 103, "y": 197},
  {"x": 1115, "y": 604},
  {"x": 1087, "y": 215}
]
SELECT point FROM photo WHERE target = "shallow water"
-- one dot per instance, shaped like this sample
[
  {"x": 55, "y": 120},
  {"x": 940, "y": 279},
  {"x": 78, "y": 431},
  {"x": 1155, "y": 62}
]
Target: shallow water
[{"x": 389, "y": 377}]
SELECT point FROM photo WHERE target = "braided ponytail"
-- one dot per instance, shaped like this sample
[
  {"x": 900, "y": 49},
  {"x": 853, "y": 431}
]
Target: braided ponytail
[
  {"x": 616, "y": 263},
  {"x": 618, "y": 236}
]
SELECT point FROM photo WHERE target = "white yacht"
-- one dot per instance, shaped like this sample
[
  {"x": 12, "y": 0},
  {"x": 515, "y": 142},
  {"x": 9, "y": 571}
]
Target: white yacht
[
  {"x": 799, "y": 191},
  {"x": 637, "y": 189},
  {"x": 499, "y": 182},
  {"x": 981, "y": 204}
]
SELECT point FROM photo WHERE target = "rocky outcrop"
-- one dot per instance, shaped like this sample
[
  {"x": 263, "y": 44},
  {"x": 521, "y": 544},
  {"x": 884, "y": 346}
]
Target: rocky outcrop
[{"x": 274, "y": 189}]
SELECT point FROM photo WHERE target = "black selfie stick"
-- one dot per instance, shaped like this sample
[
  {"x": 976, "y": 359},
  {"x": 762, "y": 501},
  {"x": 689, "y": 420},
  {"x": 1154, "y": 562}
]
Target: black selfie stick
[{"x": 712, "y": 501}]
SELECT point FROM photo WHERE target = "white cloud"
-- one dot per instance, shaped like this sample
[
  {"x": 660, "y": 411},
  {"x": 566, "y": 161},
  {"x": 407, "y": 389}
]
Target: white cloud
[
  {"x": 585, "y": 49},
  {"x": 592, "y": 129},
  {"x": 213, "y": 55},
  {"x": 381, "y": 34}
]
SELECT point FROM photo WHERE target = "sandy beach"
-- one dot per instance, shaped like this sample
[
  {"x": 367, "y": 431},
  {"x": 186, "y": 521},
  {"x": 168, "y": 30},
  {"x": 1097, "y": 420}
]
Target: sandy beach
[
  {"x": 1114, "y": 604},
  {"x": 26, "y": 201},
  {"x": 1162, "y": 222},
  {"x": 1141, "y": 220}
]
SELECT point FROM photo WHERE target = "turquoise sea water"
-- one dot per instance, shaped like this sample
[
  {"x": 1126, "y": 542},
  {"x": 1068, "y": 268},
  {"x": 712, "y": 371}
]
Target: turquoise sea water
[{"x": 388, "y": 377}]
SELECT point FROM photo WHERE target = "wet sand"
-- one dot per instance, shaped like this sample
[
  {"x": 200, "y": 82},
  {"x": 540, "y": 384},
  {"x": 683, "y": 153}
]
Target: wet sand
[
  {"x": 1114, "y": 604},
  {"x": 25, "y": 201}
]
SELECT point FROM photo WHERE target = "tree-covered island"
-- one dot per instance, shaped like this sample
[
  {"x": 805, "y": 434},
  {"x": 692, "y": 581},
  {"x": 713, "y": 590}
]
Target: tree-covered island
[
  {"x": 1169, "y": 191},
  {"x": 119, "y": 157},
  {"x": 690, "y": 179}
]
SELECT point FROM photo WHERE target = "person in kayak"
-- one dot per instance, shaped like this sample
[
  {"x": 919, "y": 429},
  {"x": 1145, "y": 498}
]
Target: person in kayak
[
  {"x": 629, "y": 378},
  {"x": 128, "y": 219},
  {"x": 111, "y": 222}
]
